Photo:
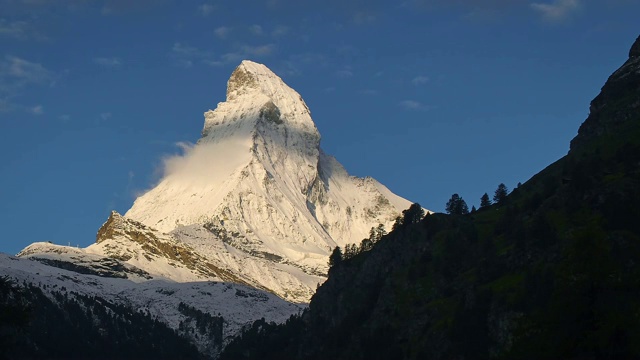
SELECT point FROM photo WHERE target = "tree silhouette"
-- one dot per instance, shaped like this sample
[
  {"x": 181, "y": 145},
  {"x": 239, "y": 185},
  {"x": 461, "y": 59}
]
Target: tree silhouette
[
  {"x": 501, "y": 194},
  {"x": 484, "y": 201},
  {"x": 457, "y": 206},
  {"x": 413, "y": 214},
  {"x": 336, "y": 257}
]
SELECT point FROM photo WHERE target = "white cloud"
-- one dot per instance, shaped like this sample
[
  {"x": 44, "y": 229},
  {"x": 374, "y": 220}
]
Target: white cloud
[
  {"x": 185, "y": 50},
  {"x": 108, "y": 62},
  {"x": 5, "y": 105},
  {"x": 256, "y": 29},
  {"x": 241, "y": 52},
  {"x": 193, "y": 164},
  {"x": 369, "y": 92},
  {"x": 556, "y": 11},
  {"x": 345, "y": 73},
  {"x": 288, "y": 68},
  {"x": 14, "y": 29},
  {"x": 413, "y": 105},
  {"x": 105, "y": 116},
  {"x": 24, "y": 71},
  {"x": 213, "y": 62},
  {"x": 260, "y": 50},
  {"x": 36, "y": 110},
  {"x": 363, "y": 17},
  {"x": 64, "y": 118},
  {"x": 229, "y": 58},
  {"x": 186, "y": 55},
  {"x": 16, "y": 75},
  {"x": 222, "y": 32},
  {"x": 420, "y": 80},
  {"x": 206, "y": 9},
  {"x": 280, "y": 30}
]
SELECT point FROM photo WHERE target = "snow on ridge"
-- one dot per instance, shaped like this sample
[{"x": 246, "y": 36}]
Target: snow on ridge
[{"x": 239, "y": 305}]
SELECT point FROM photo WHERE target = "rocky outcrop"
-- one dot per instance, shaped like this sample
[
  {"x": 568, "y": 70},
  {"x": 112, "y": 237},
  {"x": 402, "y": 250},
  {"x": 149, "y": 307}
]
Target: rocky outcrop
[{"x": 617, "y": 107}]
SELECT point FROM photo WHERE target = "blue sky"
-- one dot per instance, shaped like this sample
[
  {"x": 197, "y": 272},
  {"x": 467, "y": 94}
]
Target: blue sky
[{"x": 430, "y": 97}]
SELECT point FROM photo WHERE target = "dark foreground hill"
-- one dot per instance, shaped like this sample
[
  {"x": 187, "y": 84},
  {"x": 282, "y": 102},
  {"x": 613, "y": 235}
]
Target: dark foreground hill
[{"x": 551, "y": 272}]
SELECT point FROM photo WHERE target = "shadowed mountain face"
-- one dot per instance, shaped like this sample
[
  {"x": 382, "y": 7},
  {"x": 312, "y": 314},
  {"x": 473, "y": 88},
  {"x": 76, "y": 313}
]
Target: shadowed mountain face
[
  {"x": 615, "y": 110},
  {"x": 551, "y": 273}
]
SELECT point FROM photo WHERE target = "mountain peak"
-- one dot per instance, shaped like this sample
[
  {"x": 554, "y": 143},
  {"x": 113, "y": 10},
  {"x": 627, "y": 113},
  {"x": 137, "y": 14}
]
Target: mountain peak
[
  {"x": 616, "y": 106},
  {"x": 635, "y": 49},
  {"x": 249, "y": 77},
  {"x": 257, "y": 95}
]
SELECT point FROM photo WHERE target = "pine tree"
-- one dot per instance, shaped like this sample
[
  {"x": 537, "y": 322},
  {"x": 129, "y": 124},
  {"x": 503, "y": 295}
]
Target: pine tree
[
  {"x": 366, "y": 245},
  {"x": 457, "y": 206},
  {"x": 484, "y": 201},
  {"x": 336, "y": 257},
  {"x": 413, "y": 214},
  {"x": 501, "y": 194}
]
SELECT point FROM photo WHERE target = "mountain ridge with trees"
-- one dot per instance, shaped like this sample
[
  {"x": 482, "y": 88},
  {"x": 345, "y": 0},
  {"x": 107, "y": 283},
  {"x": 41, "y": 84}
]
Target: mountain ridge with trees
[{"x": 551, "y": 270}]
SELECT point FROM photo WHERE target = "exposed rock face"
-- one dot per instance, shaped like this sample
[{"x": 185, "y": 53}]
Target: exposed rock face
[{"x": 616, "y": 106}]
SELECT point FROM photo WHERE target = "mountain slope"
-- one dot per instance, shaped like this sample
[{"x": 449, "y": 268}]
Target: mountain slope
[
  {"x": 76, "y": 274},
  {"x": 553, "y": 272}
]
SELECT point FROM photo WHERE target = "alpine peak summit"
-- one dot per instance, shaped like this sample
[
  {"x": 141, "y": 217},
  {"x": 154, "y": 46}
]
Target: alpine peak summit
[{"x": 258, "y": 179}]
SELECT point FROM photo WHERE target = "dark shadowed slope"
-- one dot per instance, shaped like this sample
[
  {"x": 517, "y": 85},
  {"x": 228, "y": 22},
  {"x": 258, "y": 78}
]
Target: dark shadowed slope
[{"x": 553, "y": 272}]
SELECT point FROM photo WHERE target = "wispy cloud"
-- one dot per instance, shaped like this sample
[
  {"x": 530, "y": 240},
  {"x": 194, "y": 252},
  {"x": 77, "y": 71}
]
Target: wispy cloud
[
  {"x": 36, "y": 110},
  {"x": 206, "y": 9},
  {"x": 558, "y": 10},
  {"x": 108, "y": 62},
  {"x": 5, "y": 105},
  {"x": 279, "y": 31},
  {"x": 245, "y": 52},
  {"x": 259, "y": 50},
  {"x": 256, "y": 30},
  {"x": 16, "y": 75},
  {"x": 419, "y": 80},
  {"x": 116, "y": 7},
  {"x": 64, "y": 118},
  {"x": 222, "y": 32},
  {"x": 14, "y": 29},
  {"x": 288, "y": 68},
  {"x": 364, "y": 17},
  {"x": 186, "y": 55},
  {"x": 23, "y": 71},
  {"x": 296, "y": 64},
  {"x": 344, "y": 73},
  {"x": 413, "y": 105},
  {"x": 105, "y": 116},
  {"x": 369, "y": 92}
]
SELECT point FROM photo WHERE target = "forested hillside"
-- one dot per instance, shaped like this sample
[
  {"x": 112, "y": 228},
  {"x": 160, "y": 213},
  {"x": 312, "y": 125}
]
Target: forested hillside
[{"x": 550, "y": 271}]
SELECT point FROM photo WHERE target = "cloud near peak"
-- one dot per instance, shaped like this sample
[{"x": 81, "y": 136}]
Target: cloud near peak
[{"x": 557, "y": 10}]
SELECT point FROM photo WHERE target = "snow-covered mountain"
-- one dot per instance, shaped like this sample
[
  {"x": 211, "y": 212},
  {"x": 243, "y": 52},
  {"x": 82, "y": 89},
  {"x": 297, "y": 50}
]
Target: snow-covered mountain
[
  {"x": 255, "y": 207},
  {"x": 260, "y": 182}
]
